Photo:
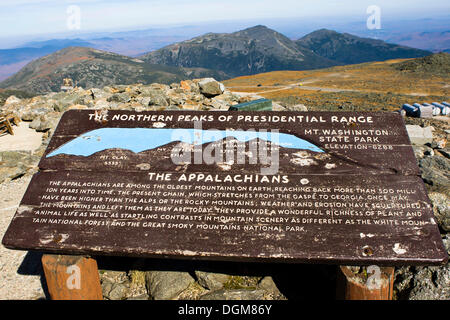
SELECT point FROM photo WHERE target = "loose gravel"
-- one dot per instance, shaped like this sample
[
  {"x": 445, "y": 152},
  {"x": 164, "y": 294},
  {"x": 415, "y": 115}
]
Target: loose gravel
[{"x": 20, "y": 271}]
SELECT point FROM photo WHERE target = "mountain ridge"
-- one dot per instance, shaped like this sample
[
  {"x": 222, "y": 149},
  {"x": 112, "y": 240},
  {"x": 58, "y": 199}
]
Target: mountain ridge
[
  {"x": 91, "y": 68},
  {"x": 350, "y": 49},
  {"x": 250, "y": 51},
  {"x": 253, "y": 50}
]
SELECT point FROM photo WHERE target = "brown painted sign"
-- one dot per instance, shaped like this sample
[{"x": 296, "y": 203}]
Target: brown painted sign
[{"x": 253, "y": 186}]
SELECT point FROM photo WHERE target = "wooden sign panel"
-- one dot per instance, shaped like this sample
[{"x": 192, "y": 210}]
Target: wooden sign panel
[{"x": 322, "y": 187}]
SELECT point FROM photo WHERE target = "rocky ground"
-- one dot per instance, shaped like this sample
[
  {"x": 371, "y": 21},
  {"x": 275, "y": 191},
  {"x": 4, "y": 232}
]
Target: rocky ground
[
  {"x": 374, "y": 86},
  {"x": 153, "y": 279}
]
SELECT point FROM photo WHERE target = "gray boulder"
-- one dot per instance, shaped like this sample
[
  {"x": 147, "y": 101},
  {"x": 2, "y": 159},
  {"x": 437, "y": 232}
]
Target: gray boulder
[
  {"x": 237, "y": 294},
  {"x": 114, "y": 290},
  {"x": 441, "y": 209},
  {"x": 64, "y": 100},
  {"x": 123, "y": 97},
  {"x": 99, "y": 94},
  {"x": 118, "y": 291},
  {"x": 11, "y": 173},
  {"x": 14, "y": 164},
  {"x": 269, "y": 285},
  {"x": 30, "y": 115},
  {"x": 422, "y": 283},
  {"x": 156, "y": 96},
  {"x": 209, "y": 87},
  {"x": 418, "y": 135},
  {"x": 167, "y": 285},
  {"x": 41, "y": 124},
  {"x": 12, "y": 100},
  {"x": 144, "y": 101},
  {"x": 159, "y": 100},
  {"x": 436, "y": 171},
  {"x": 212, "y": 281},
  {"x": 298, "y": 107}
]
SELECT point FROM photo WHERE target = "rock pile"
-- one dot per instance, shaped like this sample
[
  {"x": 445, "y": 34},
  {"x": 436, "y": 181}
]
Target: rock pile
[
  {"x": 433, "y": 157},
  {"x": 183, "y": 285},
  {"x": 138, "y": 282},
  {"x": 43, "y": 112},
  {"x": 204, "y": 94}
]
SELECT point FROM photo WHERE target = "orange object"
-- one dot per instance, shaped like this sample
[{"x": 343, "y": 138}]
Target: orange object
[
  {"x": 72, "y": 277},
  {"x": 353, "y": 286}
]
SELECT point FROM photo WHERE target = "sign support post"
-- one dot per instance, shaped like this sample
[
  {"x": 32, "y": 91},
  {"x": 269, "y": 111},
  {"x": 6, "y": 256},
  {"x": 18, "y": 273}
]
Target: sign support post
[
  {"x": 72, "y": 277},
  {"x": 376, "y": 286}
]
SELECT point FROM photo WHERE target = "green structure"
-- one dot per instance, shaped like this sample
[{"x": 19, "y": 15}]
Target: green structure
[{"x": 257, "y": 105}]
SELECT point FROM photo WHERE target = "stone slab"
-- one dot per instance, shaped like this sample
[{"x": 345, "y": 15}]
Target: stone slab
[
  {"x": 346, "y": 202},
  {"x": 418, "y": 135}
]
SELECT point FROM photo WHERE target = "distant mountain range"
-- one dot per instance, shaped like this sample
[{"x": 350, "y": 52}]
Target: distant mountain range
[
  {"x": 349, "y": 49},
  {"x": 436, "y": 41},
  {"x": 250, "y": 51},
  {"x": 12, "y": 60},
  {"x": 91, "y": 68},
  {"x": 35, "y": 50},
  {"x": 260, "y": 49},
  {"x": 219, "y": 55}
]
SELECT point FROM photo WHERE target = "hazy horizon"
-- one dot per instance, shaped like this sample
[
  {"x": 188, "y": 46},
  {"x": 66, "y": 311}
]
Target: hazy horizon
[{"x": 46, "y": 19}]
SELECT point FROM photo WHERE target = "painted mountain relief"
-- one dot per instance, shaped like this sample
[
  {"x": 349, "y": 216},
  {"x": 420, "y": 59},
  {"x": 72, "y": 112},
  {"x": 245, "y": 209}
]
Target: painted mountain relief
[
  {"x": 142, "y": 139},
  {"x": 306, "y": 147},
  {"x": 179, "y": 149}
]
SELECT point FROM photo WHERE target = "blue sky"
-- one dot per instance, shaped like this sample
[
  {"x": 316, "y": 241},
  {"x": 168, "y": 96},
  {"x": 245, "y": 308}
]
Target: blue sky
[{"x": 32, "y": 17}]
